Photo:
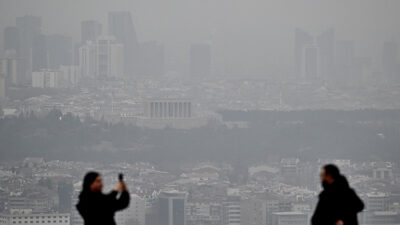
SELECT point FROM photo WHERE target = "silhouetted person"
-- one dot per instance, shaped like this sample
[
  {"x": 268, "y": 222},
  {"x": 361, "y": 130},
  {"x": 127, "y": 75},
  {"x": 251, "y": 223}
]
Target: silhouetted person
[
  {"x": 338, "y": 204},
  {"x": 97, "y": 208}
]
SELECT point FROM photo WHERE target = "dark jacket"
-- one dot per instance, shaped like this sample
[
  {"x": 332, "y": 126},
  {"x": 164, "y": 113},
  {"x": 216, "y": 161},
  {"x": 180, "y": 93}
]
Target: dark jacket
[
  {"x": 337, "y": 202},
  {"x": 98, "y": 208}
]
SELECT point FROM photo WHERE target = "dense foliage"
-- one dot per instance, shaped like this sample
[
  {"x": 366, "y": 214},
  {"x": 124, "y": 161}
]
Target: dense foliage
[{"x": 358, "y": 135}]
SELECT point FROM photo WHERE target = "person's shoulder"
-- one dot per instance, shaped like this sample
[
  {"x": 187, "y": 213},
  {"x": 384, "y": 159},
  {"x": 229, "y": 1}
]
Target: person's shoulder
[
  {"x": 331, "y": 194},
  {"x": 324, "y": 194},
  {"x": 351, "y": 192}
]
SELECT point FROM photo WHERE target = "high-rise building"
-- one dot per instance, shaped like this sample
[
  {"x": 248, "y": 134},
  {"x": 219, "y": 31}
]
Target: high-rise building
[
  {"x": 2, "y": 86},
  {"x": 75, "y": 54},
  {"x": 11, "y": 39},
  {"x": 39, "y": 53},
  {"x": 59, "y": 50},
  {"x": 90, "y": 30},
  {"x": 88, "y": 59},
  {"x": 302, "y": 39},
  {"x": 272, "y": 206},
  {"x": 326, "y": 43},
  {"x": 134, "y": 214},
  {"x": 110, "y": 55},
  {"x": 323, "y": 46},
  {"x": 201, "y": 213},
  {"x": 9, "y": 67},
  {"x": 76, "y": 218},
  {"x": 51, "y": 51},
  {"x": 46, "y": 79},
  {"x": 200, "y": 60},
  {"x": 70, "y": 76},
  {"x": 121, "y": 26},
  {"x": 172, "y": 208},
  {"x": 232, "y": 210},
  {"x": 12, "y": 51},
  {"x": 253, "y": 211},
  {"x": 151, "y": 61},
  {"x": 28, "y": 27},
  {"x": 310, "y": 65},
  {"x": 377, "y": 202},
  {"x": 103, "y": 58}
]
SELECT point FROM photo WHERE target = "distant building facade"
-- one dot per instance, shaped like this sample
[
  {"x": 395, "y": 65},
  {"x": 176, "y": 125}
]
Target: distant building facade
[
  {"x": 90, "y": 30},
  {"x": 232, "y": 210},
  {"x": 168, "y": 108},
  {"x": 172, "y": 208},
  {"x": 134, "y": 214},
  {"x": 289, "y": 218},
  {"x": 120, "y": 26},
  {"x": 46, "y": 79},
  {"x": 103, "y": 58},
  {"x": 28, "y": 217}
]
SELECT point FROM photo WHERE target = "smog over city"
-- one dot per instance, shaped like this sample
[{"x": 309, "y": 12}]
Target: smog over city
[{"x": 200, "y": 112}]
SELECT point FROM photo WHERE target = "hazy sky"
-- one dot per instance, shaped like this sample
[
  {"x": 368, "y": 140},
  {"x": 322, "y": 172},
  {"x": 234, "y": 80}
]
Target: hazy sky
[{"x": 250, "y": 28}]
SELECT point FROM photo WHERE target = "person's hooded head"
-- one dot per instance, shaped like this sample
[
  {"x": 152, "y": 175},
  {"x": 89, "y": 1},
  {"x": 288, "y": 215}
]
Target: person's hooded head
[
  {"x": 330, "y": 174},
  {"x": 92, "y": 183}
]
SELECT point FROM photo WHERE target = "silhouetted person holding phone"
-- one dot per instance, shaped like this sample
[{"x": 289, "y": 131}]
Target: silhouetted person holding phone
[
  {"x": 98, "y": 208},
  {"x": 338, "y": 203}
]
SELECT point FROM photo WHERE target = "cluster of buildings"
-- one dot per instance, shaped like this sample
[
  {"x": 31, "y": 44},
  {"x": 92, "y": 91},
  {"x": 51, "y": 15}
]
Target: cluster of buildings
[
  {"x": 123, "y": 74},
  {"x": 38, "y": 192},
  {"x": 132, "y": 101},
  {"x": 324, "y": 59},
  {"x": 31, "y": 58},
  {"x": 28, "y": 217}
]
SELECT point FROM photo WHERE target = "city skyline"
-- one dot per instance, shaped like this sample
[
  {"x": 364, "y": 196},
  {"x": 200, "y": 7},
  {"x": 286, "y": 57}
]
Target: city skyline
[
  {"x": 363, "y": 27},
  {"x": 199, "y": 112}
]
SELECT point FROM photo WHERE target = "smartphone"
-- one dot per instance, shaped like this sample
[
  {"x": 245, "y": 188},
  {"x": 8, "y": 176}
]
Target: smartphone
[{"x": 121, "y": 177}]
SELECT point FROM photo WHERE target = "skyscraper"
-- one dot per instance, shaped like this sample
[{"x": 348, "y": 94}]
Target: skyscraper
[
  {"x": 29, "y": 27},
  {"x": 59, "y": 49},
  {"x": 11, "y": 39},
  {"x": 46, "y": 79},
  {"x": 103, "y": 58},
  {"x": 110, "y": 55},
  {"x": 9, "y": 67},
  {"x": 200, "y": 60},
  {"x": 302, "y": 38},
  {"x": 90, "y": 30},
  {"x": 310, "y": 65},
  {"x": 232, "y": 210},
  {"x": 88, "y": 59},
  {"x": 120, "y": 25},
  {"x": 253, "y": 211},
  {"x": 13, "y": 75},
  {"x": 172, "y": 208},
  {"x": 325, "y": 57},
  {"x": 2, "y": 86},
  {"x": 326, "y": 44},
  {"x": 39, "y": 53},
  {"x": 134, "y": 214}
]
